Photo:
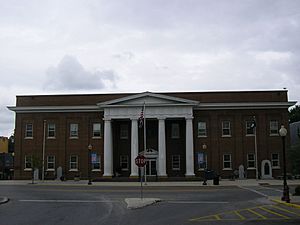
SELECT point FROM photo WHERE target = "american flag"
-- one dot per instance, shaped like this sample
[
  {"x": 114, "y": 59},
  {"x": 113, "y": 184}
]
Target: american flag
[{"x": 141, "y": 118}]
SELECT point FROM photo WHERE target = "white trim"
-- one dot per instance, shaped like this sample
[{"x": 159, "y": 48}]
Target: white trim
[
  {"x": 96, "y": 170},
  {"x": 73, "y": 170},
  {"x": 28, "y": 169},
  {"x": 39, "y": 109}
]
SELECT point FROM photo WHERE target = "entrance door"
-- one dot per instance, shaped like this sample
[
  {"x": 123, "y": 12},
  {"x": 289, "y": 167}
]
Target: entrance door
[{"x": 151, "y": 167}]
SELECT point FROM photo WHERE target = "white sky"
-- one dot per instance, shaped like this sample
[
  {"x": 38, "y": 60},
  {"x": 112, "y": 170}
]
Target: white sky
[{"x": 99, "y": 46}]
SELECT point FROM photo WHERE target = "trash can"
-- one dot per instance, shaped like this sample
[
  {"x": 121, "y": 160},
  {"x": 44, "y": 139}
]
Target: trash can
[
  {"x": 216, "y": 180},
  {"x": 209, "y": 174}
]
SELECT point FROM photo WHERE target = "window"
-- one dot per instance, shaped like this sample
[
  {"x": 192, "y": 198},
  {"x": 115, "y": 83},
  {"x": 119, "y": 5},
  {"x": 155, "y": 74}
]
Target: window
[
  {"x": 175, "y": 130},
  {"x": 28, "y": 162},
  {"x": 227, "y": 161},
  {"x": 175, "y": 162},
  {"x": 226, "y": 128},
  {"x": 96, "y": 166},
  {"x": 123, "y": 131},
  {"x": 124, "y": 162},
  {"x": 249, "y": 127},
  {"x": 73, "y": 162},
  {"x": 201, "y": 129},
  {"x": 273, "y": 127},
  {"x": 73, "y": 130},
  {"x": 29, "y": 130},
  {"x": 275, "y": 160},
  {"x": 202, "y": 160},
  {"x": 51, "y": 130},
  {"x": 96, "y": 130},
  {"x": 251, "y": 160},
  {"x": 51, "y": 162}
]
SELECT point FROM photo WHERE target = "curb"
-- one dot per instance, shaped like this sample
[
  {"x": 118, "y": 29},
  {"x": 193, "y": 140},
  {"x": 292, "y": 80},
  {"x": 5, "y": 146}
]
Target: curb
[
  {"x": 4, "y": 200},
  {"x": 285, "y": 203}
]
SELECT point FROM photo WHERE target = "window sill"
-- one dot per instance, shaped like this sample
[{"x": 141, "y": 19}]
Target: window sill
[
  {"x": 50, "y": 170},
  {"x": 96, "y": 170},
  {"x": 226, "y": 136},
  {"x": 250, "y": 135},
  {"x": 28, "y": 138},
  {"x": 227, "y": 169},
  {"x": 276, "y": 167},
  {"x": 175, "y": 169},
  {"x": 202, "y": 136},
  {"x": 202, "y": 169},
  {"x": 51, "y": 138},
  {"x": 274, "y": 135},
  {"x": 28, "y": 169},
  {"x": 73, "y": 170},
  {"x": 96, "y": 137},
  {"x": 251, "y": 168},
  {"x": 74, "y": 138}
]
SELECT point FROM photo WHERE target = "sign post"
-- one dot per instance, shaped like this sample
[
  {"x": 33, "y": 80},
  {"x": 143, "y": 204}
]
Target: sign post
[{"x": 140, "y": 161}]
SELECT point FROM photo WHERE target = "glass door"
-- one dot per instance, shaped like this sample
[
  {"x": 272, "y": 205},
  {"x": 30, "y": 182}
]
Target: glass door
[{"x": 151, "y": 167}]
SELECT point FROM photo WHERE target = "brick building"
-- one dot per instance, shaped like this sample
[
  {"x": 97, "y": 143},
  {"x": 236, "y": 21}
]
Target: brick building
[{"x": 187, "y": 132}]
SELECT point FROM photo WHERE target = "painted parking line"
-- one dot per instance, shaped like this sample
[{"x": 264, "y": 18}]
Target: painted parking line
[
  {"x": 195, "y": 202},
  {"x": 263, "y": 212}
]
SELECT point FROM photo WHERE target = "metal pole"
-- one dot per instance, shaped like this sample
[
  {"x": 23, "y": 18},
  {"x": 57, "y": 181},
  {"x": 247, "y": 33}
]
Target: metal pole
[
  {"x": 286, "y": 195},
  {"x": 141, "y": 179},
  {"x": 44, "y": 147},
  {"x": 145, "y": 142},
  {"x": 255, "y": 146},
  {"x": 89, "y": 164}
]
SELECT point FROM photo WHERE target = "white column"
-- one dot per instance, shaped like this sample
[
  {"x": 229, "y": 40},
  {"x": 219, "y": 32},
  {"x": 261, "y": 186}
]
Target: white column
[
  {"x": 108, "y": 149},
  {"x": 161, "y": 147},
  {"x": 134, "y": 147},
  {"x": 189, "y": 147}
]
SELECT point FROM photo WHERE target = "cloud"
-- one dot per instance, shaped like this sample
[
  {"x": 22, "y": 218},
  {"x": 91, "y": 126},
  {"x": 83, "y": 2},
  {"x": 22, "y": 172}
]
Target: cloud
[{"x": 69, "y": 74}]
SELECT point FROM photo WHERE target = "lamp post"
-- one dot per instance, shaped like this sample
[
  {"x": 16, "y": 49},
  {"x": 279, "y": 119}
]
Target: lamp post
[
  {"x": 286, "y": 195},
  {"x": 90, "y": 147}
]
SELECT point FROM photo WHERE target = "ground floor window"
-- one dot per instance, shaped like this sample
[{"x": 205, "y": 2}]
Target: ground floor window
[
  {"x": 175, "y": 162},
  {"x": 275, "y": 160},
  {"x": 227, "y": 161},
  {"x": 202, "y": 160},
  {"x": 251, "y": 160},
  {"x": 95, "y": 158},
  {"x": 73, "y": 162},
  {"x": 28, "y": 162},
  {"x": 124, "y": 162},
  {"x": 51, "y": 162}
]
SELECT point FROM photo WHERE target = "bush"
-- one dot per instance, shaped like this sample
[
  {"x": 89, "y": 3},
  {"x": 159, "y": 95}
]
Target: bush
[{"x": 297, "y": 191}]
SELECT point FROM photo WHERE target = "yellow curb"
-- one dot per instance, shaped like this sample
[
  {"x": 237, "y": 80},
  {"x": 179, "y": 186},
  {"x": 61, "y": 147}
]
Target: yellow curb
[{"x": 285, "y": 203}]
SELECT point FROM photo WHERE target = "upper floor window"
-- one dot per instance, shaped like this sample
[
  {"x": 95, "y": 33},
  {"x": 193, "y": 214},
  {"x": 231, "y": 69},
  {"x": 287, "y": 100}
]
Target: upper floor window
[
  {"x": 96, "y": 130},
  {"x": 51, "y": 130},
  {"x": 227, "y": 161},
  {"x": 123, "y": 131},
  {"x": 202, "y": 129},
  {"x": 175, "y": 131},
  {"x": 275, "y": 160},
  {"x": 273, "y": 127},
  {"x": 74, "y": 130},
  {"x": 226, "y": 128},
  {"x": 74, "y": 162},
  {"x": 251, "y": 160},
  {"x": 249, "y": 127},
  {"x": 175, "y": 162},
  {"x": 29, "y": 130},
  {"x": 50, "y": 162}
]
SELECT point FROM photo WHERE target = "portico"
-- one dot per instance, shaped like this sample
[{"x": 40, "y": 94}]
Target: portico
[{"x": 158, "y": 107}]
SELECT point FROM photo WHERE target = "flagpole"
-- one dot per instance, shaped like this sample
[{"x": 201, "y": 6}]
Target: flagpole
[{"x": 145, "y": 144}]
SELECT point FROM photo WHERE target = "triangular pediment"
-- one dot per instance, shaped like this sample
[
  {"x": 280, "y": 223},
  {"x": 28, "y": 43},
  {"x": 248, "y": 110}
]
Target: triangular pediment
[{"x": 148, "y": 98}]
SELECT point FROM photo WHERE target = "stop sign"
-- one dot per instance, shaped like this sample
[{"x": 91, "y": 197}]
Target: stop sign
[{"x": 140, "y": 161}]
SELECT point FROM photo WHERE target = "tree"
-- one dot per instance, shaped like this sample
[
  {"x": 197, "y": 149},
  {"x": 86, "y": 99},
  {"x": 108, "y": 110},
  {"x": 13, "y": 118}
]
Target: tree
[
  {"x": 36, "y": 163},
  {"x": 294, "y": 114}
]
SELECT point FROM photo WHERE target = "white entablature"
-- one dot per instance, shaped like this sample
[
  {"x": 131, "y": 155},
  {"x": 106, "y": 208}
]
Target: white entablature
[{"x": 157, "y": 106}]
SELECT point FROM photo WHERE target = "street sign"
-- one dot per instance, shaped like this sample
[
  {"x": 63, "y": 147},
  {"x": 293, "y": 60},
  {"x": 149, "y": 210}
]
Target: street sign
[{"x": 140, "y": 161}]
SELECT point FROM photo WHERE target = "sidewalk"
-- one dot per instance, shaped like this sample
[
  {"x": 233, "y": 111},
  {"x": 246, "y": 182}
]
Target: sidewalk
[{"x": 225, "y": 182}]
